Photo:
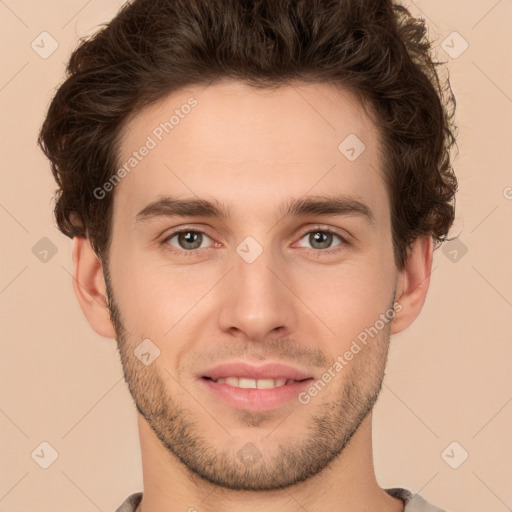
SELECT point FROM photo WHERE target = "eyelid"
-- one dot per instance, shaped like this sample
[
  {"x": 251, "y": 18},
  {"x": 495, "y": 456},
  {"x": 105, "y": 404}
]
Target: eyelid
[
  {"x": 311, "y": 229},
  {"x": 185, "y": 229},
  {"x": 345, "y": 240},
  {"x": 319, "y": 227}
]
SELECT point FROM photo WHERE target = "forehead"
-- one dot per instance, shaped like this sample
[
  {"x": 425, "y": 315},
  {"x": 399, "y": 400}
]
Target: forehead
[{"x": 240, "y": 145}]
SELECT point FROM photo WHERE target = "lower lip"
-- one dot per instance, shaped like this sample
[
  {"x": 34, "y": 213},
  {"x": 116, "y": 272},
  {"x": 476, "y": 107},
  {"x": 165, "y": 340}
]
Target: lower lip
[{"x": 256, "y": 399}]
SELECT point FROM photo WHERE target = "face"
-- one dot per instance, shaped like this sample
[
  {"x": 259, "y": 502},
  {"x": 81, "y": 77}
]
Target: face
[{"x": 251, "y": 254}]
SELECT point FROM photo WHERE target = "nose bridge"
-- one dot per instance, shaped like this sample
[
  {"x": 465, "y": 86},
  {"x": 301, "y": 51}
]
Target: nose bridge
[{"x": 255, "y": 300}]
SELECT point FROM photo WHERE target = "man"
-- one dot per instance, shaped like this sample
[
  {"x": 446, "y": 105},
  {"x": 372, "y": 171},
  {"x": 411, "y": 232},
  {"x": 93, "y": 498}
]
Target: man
[{"x": 255, "y": 191}]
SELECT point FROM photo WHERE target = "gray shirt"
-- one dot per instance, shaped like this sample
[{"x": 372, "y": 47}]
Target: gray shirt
[{"x": 413, "y": 502}]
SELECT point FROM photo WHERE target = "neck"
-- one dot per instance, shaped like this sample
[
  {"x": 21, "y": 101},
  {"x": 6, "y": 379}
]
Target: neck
[{"x": 347, "y": 484}]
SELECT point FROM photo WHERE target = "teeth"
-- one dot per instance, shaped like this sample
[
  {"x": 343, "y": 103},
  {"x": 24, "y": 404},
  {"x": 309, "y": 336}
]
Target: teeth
[
  {"x": 232, "y": 381},
  {"x": 267, "y": 383},
  {"x": 245, "y": 383}
]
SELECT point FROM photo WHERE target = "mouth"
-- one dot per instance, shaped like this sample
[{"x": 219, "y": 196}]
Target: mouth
[
  {"x": 245, "y": 383},
  {"x": 248, "y": 387}
]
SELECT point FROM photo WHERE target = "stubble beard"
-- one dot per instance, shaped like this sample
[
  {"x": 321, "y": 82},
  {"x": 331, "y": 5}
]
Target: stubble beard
[{"x": 326, "y": 434}]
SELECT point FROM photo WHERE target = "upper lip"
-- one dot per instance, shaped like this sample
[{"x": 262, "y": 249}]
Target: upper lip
[{"x": 251, "y": 371}]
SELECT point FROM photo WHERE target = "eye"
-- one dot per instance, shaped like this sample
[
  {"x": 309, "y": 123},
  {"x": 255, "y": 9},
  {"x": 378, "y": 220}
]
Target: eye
[
  {"x": 189, "y": 241},
  {"x": 186, "y": 240},
  {"x": 321, "y": 239}
]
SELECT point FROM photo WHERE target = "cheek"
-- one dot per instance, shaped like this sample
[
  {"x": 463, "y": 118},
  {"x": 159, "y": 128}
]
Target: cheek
[
  {"x": 156, "y": 297},
  {"x": 348, "y": 298}
]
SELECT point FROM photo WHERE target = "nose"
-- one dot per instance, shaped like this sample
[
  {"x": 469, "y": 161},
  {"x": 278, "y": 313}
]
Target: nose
[{"x": 257, "y": 299}]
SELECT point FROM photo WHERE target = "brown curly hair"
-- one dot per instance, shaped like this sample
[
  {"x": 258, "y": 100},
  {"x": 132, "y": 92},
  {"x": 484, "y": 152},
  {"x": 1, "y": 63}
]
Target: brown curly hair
[{"x": 373, "y": 48}]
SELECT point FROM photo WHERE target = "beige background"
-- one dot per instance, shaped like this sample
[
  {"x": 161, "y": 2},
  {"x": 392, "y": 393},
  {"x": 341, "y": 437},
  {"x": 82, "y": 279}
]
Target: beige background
[{"x": 448, "y": 377}]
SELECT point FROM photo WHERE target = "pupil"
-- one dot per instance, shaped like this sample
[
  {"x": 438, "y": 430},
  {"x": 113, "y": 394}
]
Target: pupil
[
  {"x": 318, "y": 237},
  {"x": 189, "y": 237}
]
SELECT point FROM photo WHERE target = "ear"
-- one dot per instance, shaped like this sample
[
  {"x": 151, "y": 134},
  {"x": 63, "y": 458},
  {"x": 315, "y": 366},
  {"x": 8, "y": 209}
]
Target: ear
[
  {"x": 412, "y": 284},
  {"x": 90, "y": 289}
]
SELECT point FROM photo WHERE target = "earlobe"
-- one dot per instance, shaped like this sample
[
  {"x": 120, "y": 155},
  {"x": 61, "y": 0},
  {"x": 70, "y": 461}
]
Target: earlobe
[
  {"x": 90, "y": 289},
  {"x": 412, "y": 284}
]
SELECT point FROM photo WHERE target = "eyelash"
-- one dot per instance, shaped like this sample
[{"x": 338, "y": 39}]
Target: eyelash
[
  {"x": 321, "y": 252},
  {"x": 317, "y": 252}
]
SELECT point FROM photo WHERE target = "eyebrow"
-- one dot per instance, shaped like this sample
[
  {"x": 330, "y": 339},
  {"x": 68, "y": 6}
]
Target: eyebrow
[{"x": 169, "y": 206}]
